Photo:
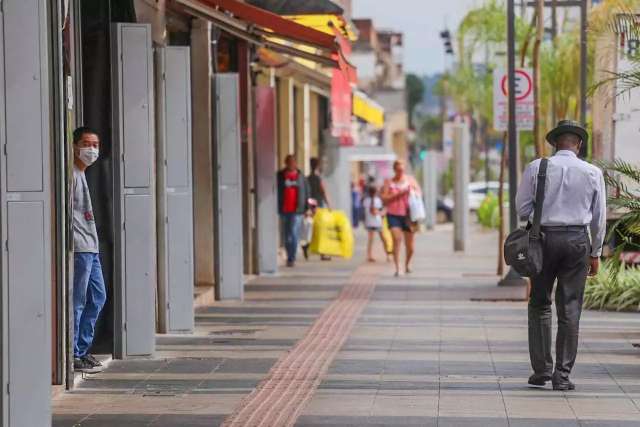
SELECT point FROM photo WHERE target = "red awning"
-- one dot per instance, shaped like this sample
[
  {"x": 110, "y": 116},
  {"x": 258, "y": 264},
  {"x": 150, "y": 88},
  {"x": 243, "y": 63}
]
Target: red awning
[
  {"x": 266, "y": 29},
  {"x": 278, "y": 25}
]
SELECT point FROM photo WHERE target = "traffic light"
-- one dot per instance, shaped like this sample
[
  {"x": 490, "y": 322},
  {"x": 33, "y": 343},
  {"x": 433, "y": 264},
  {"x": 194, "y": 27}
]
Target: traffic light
[
  {"x": 445, "y": 35},
  {"x": 423, "y": 152}
]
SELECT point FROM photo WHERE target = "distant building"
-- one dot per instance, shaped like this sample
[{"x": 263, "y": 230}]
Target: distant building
[{"x": 378, "y": 56}]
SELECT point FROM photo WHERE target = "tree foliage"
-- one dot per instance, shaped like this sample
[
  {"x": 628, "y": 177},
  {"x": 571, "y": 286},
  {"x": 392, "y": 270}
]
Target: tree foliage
[
  {"x": 617, "y": 18},
  {"x": 415, "y": 92}
]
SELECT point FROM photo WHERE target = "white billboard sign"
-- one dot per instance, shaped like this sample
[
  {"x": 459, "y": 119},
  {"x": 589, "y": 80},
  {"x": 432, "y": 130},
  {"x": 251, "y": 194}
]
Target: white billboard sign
[{"x": 524, "y": 99}]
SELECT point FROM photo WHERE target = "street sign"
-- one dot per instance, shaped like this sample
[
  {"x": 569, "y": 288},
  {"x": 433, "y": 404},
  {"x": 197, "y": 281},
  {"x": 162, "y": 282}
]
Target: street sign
[{"x": 524, "y": 99}]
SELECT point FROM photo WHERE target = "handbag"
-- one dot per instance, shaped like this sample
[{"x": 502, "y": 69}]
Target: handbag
[
  {"x": 523, "y": 247},
  {"x": 416, "y": 207}
]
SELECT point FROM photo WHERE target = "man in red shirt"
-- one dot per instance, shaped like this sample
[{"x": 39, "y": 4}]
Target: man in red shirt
[{"x": 292, "y": 204}]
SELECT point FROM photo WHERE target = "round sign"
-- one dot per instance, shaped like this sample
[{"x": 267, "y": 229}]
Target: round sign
[{"x": 524, "y": 85}]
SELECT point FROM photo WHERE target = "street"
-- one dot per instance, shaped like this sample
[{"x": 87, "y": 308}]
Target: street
[{"x": 346, "y": 344}]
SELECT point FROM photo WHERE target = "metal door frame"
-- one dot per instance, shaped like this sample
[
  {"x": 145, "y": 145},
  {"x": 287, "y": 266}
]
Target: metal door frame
[
  {"x": 120, "y": 191},
  {"x": 224, "y": 293},
  {"x": 60, "y": 175},
  {"x": 47, "y": 87},
  {"x": 164, "y": 291},
  {"x": 75, "y": 45},
  {"x": 4, "y": 333}
]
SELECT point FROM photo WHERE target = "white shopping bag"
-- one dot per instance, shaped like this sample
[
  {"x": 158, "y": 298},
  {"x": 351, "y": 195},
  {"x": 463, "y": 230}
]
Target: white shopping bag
[{"x": 416, "y": 207}]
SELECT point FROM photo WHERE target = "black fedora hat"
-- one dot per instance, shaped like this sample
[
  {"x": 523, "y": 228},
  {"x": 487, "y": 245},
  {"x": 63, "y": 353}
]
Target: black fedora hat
[{"x": 567, "y": 126}]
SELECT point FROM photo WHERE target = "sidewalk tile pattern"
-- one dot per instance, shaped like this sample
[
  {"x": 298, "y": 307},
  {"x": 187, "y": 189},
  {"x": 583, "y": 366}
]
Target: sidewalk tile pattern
[
  {"x": 441, "y": 347},
  {"x": 289, "y": 385}
]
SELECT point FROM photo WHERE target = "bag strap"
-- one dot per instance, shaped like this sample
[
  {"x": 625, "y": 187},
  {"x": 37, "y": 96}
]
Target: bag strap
[{"x": 537, "y": 212}]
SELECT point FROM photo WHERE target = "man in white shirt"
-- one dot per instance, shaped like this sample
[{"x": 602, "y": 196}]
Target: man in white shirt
[{"x": 573, "y": 223}]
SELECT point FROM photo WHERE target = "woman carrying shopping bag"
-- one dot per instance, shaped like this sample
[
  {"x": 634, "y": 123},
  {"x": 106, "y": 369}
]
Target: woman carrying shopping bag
[{"x": 396, "y": 194}]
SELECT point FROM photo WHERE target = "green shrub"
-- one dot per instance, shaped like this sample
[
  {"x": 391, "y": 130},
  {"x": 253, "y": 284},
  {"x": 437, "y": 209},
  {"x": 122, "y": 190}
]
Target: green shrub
[
  {"x": 488, "y": 212},
  {"x": 615, "y": 287}
]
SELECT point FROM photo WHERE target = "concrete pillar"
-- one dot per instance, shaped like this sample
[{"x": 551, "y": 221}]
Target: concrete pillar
[
  {"x": 314, "y": 124},
  {"x": 306, "y": 127},
  {"x": 338, "y": 174},
  {"x": 285, "y": 119},
  {"x": 430, "y": 189},
  {"x": 202, "y": 153},
  {"x": 298, "y": 138},
  {"x": 461, "y": 153}
]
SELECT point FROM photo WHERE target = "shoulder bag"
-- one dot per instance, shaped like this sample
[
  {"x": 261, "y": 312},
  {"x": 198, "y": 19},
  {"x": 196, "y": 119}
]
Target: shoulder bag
[{"x": 523, "y": 247}]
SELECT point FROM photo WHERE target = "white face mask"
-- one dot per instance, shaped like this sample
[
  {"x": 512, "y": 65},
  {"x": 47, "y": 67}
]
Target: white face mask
[{"x": 88, "y": 155}]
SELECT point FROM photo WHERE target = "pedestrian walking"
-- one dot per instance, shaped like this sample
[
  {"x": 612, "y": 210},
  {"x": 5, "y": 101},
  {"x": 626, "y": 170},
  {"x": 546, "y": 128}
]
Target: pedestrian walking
[
  {"x": 318, "y": 192},
  {"x": 293, "y": 192},
  {"x": 306, "y": 233},
  {"x": 317, "y": 188},
  {"x": 356, "y": 203},
  {"x": 573, "y": 206},
  {"x": 89, "y": 294},
  {"x": 395, "y": 195},
  {"x": 373, "y": 217}
]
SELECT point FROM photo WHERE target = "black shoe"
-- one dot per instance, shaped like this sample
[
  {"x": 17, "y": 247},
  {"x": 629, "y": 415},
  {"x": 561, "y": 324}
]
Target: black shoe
[
  {"x": 561, "y": 382},
  {"x": 564, "y": 385},
  {"x": 539, "y": 379},
  {"x": 291, "y": 264},
  {"x": 80, "y": 364},
  {"x": 92, "y": 360},
  {"x": 305, "y": 252}
]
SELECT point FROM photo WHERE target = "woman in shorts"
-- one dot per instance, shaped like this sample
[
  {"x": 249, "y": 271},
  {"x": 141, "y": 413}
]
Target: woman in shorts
[{"x": 395, "y": 195}]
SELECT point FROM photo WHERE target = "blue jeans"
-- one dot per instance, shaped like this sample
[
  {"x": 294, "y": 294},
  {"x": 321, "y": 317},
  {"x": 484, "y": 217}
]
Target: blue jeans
[
  {"x": 89, "y": 296},
  {"x": 291, "y": 225}
]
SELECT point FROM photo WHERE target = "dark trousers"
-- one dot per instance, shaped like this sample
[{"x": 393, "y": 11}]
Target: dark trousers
[{"x": 566, "y": 258}]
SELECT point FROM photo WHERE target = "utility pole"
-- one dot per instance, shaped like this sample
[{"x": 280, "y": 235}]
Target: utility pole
[
  {"x": 512, "y": 128},
  {"x": 583, "y": 70},
  {"x": 537, "y": 140},
  {"x": 430, "y": 188},
  {"x": 461, "y": 155},
  {"x": 554, "y": 35},
  {"x": 512, "y": 278}
]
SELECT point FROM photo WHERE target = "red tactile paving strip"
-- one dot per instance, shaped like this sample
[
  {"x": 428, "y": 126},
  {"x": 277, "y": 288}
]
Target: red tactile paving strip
[{"x": 280, "y": 397}]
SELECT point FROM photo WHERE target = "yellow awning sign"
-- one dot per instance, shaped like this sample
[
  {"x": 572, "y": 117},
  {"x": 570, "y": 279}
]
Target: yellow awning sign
[
  {"x": 367, "y": 110},
  {"x": 325, "y": 23}
]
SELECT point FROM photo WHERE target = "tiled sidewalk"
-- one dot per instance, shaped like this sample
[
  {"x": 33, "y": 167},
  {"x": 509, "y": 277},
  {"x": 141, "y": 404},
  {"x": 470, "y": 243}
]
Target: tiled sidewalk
[{"x": 429, "y": 349}]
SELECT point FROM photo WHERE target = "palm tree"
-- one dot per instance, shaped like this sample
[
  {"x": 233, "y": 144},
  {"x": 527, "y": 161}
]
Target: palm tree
[
  {"x": 617, "y": 17},
  {"x": 624, "y": 179}
]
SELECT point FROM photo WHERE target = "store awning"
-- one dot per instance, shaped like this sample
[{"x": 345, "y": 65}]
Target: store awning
[
  {"x": 326, "y": 24},
  {"x": 273, "y": 23},
  {"x": 367, "y": 109},
  {"x": 297, "y": 7},
  {"x": 289, "y": 67},
  {"x": 266, "y": 29}
]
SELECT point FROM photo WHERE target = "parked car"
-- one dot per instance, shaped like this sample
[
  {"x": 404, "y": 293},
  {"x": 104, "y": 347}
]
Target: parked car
[
  {"x": 444, "y": 213},
  {"x": 477, "y": 192}
]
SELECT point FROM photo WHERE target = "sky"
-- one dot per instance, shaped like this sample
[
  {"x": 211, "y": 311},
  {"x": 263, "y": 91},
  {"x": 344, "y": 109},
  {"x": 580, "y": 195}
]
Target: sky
[{"x": 421, "y": 21}]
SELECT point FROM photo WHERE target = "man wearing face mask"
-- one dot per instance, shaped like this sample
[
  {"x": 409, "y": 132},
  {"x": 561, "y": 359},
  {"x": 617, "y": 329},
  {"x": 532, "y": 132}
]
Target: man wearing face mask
[{"x": 89, "y": 294}]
